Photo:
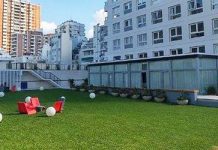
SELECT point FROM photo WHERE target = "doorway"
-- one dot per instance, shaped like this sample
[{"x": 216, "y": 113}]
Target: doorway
[{"x": 144, "y": 80}]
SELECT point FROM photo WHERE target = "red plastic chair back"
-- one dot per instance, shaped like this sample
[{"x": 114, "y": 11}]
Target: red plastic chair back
[
  {"x": 35, "y": 102},
  {"x": 25, "y": 108},
  {"x": 58, "y": 106},
  {"x": 13, "y": 88}
]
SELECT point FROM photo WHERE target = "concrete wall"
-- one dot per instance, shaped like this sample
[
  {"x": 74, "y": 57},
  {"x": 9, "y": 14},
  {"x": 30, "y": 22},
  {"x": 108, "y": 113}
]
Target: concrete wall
[
  {"x": 77, "y": 75},
  {"x": 33, "y": 82}
]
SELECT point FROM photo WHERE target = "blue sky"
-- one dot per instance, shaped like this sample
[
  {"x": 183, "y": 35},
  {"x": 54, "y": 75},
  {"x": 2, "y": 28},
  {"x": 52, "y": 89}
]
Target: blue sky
[{"x": 58, "y": 11}]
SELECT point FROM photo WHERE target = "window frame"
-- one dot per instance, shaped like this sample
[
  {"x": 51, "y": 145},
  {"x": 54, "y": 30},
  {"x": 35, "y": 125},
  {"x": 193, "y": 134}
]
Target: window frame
[
  {"x": 143, "y": 19},
  {"x": 174, "y": 15},
  {"x": 155, "y": 17},
  {"x": 128, "y": 44},
  {"x": 144, "y": 40},
  {"x": 176, "y": 37},
  {"x": 196, "y": 9},
  {"x": 214, "y": 4},
  {"x": 118, "y": 29},
  {"x": 215, "y": 29},
  {"x": 198, "y": 49},
  {"x": 196, "y": 33},
  {"x": 161, "y": 40},
  {"x": 117, "y": 46},
  {"x": 177, "y": 51}
]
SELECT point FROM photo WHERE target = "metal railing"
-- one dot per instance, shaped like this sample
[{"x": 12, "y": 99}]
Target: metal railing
[{"x": 48, "y": 75}]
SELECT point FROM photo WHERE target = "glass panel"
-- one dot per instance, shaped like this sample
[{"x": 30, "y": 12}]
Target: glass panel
[{"x": 121, "y": 68}]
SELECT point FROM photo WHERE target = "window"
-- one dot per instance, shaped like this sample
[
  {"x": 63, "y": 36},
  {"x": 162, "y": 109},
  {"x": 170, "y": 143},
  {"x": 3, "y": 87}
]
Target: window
[
  {"x": 215, "y": 48},
  {"x": 141, "y": 4},
  {"x": 177, "y": 51},
  {"x": 117, "y": 58},
  {"x": 128, "y": 25},
  {"x": 116, "y": 28},
  {"x": 158, "y": 53},
  {"x": 116, "y": 44},
  {"x": 174, "y": 12},
  {"x": 129, "y": 56},
  {"x": 128, "y": 7},
  {"x": 157, "y": 17},
  {"x": 128, "y": 42},
  {"x": 157, "y": 37},
  {"x": 196, "y": 29},
  {"x": 104, "y": 46},
  {"x": 195, "y": 7},
  {"x": 176, "y": 34},
  {"x": 142, "y": 39},
  {"x": 143, "y": 55},
  {"x": 215, "y": 26},
  {"x": 198, "y": 49},
  {"x": 116, "y": 12},
  {"x": 141, "y": 21},
  {"x": 214, "y": 4}
]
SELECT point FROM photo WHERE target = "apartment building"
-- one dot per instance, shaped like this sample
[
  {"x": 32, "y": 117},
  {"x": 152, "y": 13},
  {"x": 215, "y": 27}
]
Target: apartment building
[
  {"x": 17, "y": 16},
  {"x": 159, "y": 44},
  {"x": 66, "y": 43},
  {"x": 86, "y": 54},
  {"x": 155, "y": 28},
  {"x": 29, "y": 43}
]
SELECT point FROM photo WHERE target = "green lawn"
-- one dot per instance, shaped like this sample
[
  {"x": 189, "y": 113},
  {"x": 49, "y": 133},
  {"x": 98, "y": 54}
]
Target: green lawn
[{"x": 107, "y": 123}]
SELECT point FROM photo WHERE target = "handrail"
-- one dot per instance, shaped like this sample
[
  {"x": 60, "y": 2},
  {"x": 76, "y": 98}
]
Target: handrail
[{"x": 48, "y": 75}]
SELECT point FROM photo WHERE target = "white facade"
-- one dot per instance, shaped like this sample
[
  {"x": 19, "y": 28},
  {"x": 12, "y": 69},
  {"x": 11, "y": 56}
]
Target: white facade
[
  {"x": 156, "y": 28},
  {"x": 86, "y": 54},
  {"x": 100, "y": 43},
  {"x": 66, "y": 42}
]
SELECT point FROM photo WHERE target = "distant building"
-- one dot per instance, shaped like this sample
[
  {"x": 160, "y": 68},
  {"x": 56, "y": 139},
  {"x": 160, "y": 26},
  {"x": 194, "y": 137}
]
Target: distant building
[
  {"x": 66, "y": 43},
  {"x": 47, "y": 38},
  {"x": 86, "y": 53},
  {"x": 100, "y": 43},
  {"x": 29, "y": 43},
  {"x": 17, "y": 16}
]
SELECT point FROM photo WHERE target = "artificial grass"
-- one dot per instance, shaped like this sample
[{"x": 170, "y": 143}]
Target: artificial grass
[{"x": 106, "y": 123}]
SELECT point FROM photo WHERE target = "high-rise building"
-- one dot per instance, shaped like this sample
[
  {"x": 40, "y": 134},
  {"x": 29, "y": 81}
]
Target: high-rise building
[
  {"x": 29, "y": 43},
  {"x": 17, "y": 16},
  {"x": 66, "y": 43},
  {"x": 156, "y": 28}
]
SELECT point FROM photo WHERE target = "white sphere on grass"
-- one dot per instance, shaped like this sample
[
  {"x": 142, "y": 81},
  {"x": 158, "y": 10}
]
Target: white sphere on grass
[
  {"x": 63, "y": 98},
  {"x": 27, "y": 99},
  {"x": 92, "y": 95},
  {"x": 1, "y": 117},
  {"x": 18, "y": 89},
  {"x": 50, "y": 112},
  {"x": 2, "y": 94},
  {"x": 41, "y": 88}
]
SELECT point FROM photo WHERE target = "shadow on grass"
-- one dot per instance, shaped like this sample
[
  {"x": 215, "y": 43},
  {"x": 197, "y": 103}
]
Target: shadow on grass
[{"x": 12, "y": 114}]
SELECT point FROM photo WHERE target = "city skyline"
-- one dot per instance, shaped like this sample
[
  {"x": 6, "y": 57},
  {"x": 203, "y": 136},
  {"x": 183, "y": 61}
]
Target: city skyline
[{"x": 71, "y": 10}]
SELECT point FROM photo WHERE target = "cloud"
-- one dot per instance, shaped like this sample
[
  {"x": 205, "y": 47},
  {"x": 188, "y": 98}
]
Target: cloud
[
  {"x": 99, "y": 18},
  {"x": 48, "y": 27}
]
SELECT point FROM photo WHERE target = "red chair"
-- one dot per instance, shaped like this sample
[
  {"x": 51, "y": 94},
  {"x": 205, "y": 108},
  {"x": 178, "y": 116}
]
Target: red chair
[
  {"x": 35, "y": 102},
  {"x": 25, "y": 108},
  {"x": 59, "y": 105}
]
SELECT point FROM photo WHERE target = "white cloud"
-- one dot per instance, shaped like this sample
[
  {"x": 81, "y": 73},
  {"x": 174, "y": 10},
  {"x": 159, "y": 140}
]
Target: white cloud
[
  {"x": 98, "y": 18},
  {"x": 48, "y": 27}
]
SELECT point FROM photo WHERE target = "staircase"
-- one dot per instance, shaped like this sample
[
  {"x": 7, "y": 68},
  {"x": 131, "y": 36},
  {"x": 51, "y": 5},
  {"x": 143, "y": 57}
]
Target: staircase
[{"x": 47, "y": 76}]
